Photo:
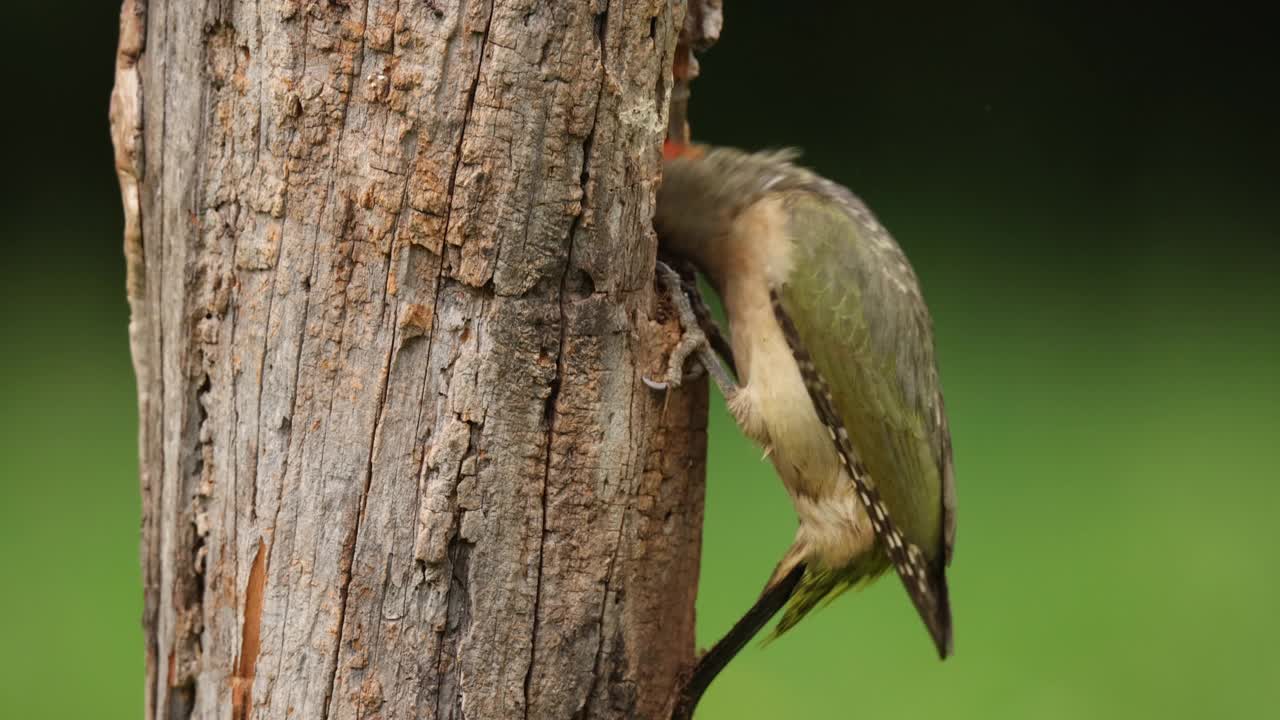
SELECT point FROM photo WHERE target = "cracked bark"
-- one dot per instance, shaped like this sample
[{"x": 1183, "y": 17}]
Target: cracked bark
[{"x": 390, "y": 271}]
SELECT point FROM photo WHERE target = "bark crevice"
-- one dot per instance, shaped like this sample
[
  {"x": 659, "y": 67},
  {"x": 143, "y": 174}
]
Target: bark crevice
[{"x": 387, "y": 326}]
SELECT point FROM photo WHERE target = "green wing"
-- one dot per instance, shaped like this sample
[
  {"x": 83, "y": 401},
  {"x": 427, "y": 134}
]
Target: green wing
[{"x": 857, "y": 311}]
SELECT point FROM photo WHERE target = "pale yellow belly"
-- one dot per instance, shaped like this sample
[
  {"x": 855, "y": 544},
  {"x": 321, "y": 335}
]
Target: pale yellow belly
[{"x": 773, "y": 408}]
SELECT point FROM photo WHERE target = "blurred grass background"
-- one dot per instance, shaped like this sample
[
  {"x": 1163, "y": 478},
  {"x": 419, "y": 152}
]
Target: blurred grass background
[{"x": 1089, "y": 194}]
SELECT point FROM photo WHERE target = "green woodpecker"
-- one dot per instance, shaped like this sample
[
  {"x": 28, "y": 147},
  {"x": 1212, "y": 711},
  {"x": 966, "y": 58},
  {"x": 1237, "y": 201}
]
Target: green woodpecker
[{"x": 834, "y": 351}]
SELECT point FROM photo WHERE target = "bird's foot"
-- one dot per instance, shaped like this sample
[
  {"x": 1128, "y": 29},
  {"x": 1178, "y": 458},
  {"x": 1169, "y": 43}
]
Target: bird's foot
[
  {"x": 692, "y": 341},
  {"x": 668, "y": 382}
]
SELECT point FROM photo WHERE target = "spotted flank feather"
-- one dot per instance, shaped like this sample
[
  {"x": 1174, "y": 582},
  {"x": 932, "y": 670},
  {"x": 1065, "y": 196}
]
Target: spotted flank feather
[{"x": 925, "y": 582}]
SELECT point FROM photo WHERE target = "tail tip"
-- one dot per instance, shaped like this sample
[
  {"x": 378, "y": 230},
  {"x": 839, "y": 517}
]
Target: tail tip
[
  {"x": 939, "y": 620},
  {"x": 944, "y": 643}
]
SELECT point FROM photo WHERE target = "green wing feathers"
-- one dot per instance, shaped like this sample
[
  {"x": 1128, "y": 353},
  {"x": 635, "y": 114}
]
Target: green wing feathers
[{"x": 857, "y": 311}]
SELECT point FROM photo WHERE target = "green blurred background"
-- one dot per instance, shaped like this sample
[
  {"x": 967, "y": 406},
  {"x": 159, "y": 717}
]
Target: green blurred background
[{"x": 1090, "y": 196}]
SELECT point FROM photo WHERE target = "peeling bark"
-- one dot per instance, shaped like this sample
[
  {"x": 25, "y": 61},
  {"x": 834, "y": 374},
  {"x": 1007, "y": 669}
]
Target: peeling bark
[{"x": 390, "y": 271}]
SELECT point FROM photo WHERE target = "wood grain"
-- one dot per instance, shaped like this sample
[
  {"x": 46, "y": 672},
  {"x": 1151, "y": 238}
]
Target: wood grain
[{"x": 390, "y": 270}]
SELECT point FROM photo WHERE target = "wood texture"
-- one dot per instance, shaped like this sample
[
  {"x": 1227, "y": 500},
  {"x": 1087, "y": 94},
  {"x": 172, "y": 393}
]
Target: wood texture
[
  {"x": 703, "y": 20},
  {"x": 390, "y": 270}
]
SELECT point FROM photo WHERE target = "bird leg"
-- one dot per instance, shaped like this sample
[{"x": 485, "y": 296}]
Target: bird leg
[
  {"x": 701, "y": 336},
  {"x": 717, "y": 658},
  {"x": 715, "y": 336},
  {"x": 694, "y": 339}
]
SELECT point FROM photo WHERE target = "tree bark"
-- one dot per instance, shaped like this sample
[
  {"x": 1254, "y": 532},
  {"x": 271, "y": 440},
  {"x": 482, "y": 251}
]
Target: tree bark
[{"x": 390, "y": 271}]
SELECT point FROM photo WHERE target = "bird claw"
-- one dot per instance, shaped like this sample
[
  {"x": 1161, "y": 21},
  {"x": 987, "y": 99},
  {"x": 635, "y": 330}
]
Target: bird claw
[
  {"x": 660, "y": 385},
  {"x": 692, "y": 339}
]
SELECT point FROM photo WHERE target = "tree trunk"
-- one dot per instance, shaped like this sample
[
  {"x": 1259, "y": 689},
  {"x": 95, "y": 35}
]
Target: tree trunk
[{"x": 390, "y": 269}]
